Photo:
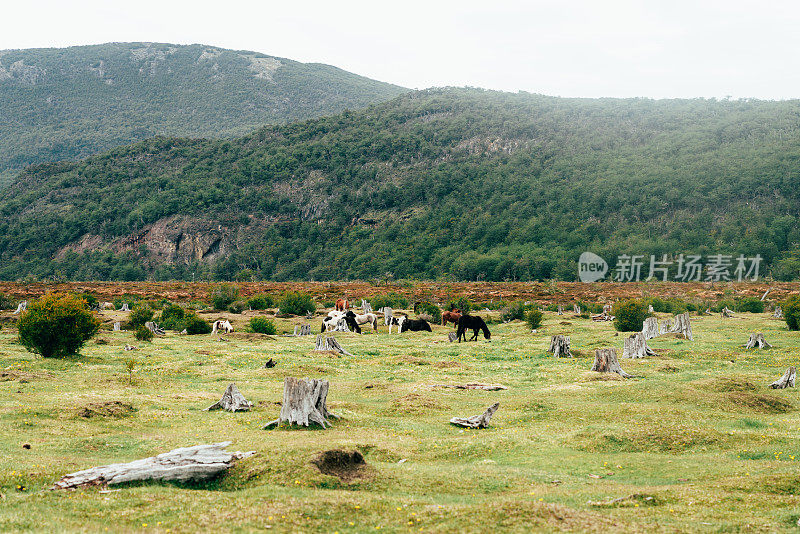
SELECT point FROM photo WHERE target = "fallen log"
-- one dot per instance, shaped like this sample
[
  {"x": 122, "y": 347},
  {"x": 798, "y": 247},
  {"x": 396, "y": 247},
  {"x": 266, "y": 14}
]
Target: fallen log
[
  {"x": 187, "y": 464},
  {"x": 304, "y": 401},
  {"x": 154, "y": 328},
  {"x": 476, "y": 421},
  {"x": 232, "y": 401},
  {"x": 484, "y": 387},
  {"x": 605, "y": 361},
  {"x": 559, "y": 346},
  {"x": 726, "y": 313},
  {"x": 757, "y": 340},
  {"x": 786, "y": 381}
]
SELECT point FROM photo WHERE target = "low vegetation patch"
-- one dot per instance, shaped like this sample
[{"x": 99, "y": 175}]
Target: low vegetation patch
[
  {"x": 346, "y": 465},
  {"x": 106, "y": 409}
]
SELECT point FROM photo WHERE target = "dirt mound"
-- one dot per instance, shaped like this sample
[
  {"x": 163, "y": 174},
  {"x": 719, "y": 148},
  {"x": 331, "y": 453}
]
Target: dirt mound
[
  {"x": 416, "y": 404},
  {"x": 106, "y": 409},
  {"x": 728, "y": 383},
  {"x": 23, "y": 376},
  {"x": 760, "y": 402},
  {"x": 346, "y": 465},
  {"x": 448, "y": 364}
]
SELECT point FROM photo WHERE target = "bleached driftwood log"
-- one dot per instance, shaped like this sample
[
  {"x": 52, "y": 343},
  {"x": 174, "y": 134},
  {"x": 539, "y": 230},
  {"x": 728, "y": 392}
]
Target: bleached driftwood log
[
  {"x": 452, "y": 336},
  {"x": 117, "y": 326},
  {"x": 187, "y": 464},
  {"x": 650, "y": 328},
  {"x": 757, "y": 340},
  {"x": 21, "y": 307},
  {"x": 329, "y": 344},
  {"x": 388, "y": 313},
  {"x": 786, "y": 381},
  {"x": 666, "y": 327},
  {"x": 559, "y": 346},
  {"x": 154, "y": 328},
  {"x": 778, "y": 313},
  {"x": 476, "y": 421},
  {"x": 484, "y": 387},
  {"x": 683, "y": 326},
  {"x": 636, "y": 347},
  {"x": 726, "y": 313},
  {"x": 304, "y": 401},
  {"x": 124, "y": 307},
  {"x": 765, "y": 294},
  {"x": 605, "y": 361},
  {"x": 232, "y": 400}
]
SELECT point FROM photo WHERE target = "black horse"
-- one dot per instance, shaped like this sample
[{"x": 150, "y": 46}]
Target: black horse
[
  {"x": 415, "y": 325},
  {"x": 474, "y": 323}
]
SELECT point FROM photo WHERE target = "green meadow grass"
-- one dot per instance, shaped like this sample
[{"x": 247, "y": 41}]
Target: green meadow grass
[{"x": 696, "y": 429}]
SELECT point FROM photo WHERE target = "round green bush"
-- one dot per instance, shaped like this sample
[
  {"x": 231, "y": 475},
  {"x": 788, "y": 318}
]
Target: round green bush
[
  {"x": 534, "y": 318},
  {"x": 749, "y": 304},
  {"x": 223, "y": 296},
  {"x": 237, "y": 307},
  {"x": 194, "y": 324},
  {"x": 430, "y": 309},
  {"x": 57, "y": 325},
  {"x": 140, "y": 314},
  {"x": 296, "y": 303},
  {"x": 143, "y": 334},
  {"x": 262, "y": 325},
  {"x": 791, "y": 312},
  {"x": 260, "y": 302},
  {"x": 629, "y": 315},
  {"x": 171, "y": 317},
  {"x": 460, "y": 303},
  {"x": 392, "y": 300},
  {"x": 514, "y": 312}
]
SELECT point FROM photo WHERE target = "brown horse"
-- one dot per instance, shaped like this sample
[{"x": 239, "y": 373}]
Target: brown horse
[
  {"x": 451, "y": 316},
  {"x": 342, "y": 305}
]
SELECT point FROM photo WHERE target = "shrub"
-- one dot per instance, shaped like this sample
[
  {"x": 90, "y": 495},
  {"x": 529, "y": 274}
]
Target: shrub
[
  {"x": 791, "y": 312},
  {"x": 534, "y": 318},
  {"x": 296, "y": 303},
  {"x": 130, "y": 300},
  {"x": 6, "y": 302},
  {"x": 461, "y": 303},
  {"x": 393, "y": 300},
  {"x": 237, "y": 307},
  {"x": 716, "y": 308},
  {"x": 428, "y": 308},
  {"x": 194, "y": 324},
  {"x": 749, "y": 304},
  {"x": 262, "y": 325},
  {"x": 629, "y": 315},
  {"x": 260, "y": 302},
  {"x": 140, "y": 314},
  {"x": 90, "y": 299},
  {"x": 223, "y": 296},
  {"x": 57, "y": 325},
  {"x": 515, "y": 311},
  {"x": 172, "y": 317},
  {"x": 143, "y": 333}
]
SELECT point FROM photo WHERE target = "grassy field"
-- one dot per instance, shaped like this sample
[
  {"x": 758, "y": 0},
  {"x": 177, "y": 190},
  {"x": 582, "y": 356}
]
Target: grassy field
[{"x": 696, "y": 442}]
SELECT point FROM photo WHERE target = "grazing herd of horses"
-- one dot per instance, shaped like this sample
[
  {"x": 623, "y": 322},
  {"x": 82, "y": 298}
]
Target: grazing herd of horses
[{"x": 462, "y": 322}]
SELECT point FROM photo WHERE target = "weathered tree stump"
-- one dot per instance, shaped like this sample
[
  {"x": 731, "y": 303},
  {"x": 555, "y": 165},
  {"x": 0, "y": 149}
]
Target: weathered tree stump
[
  {"x": 650, "y": 309},
  {"x": 757, "y": 340},
  {"x": 605, "y": 361},
  {"x": 341, "y": 326},
  {"x": 666, "y": 327},
  {"x": 683, "y": 326},
  {"x": 366, "y": 306},
  {"x": 124, "y": 307},
  {"x": 188, "y": 464},
  {"x": 329, "y": 344},
  {"x": 451, "y": 337},
  {"x": 21, "y": 307},
  {"x": 778, "y": 313},
  {"x": 476, "y": 421},
  {"x": 726, "y": 313},
  {"x": 388, "y": 313},
  {"x": 302, "y": 330},
  {"x": 154, "y": 328},
  {"x": 786, "y": 381},
  {"x": 576, "y": 309},
  {"x": 117, "y": 326},
  {"x": 232, "y": 400},
  {"x": 304, "y": 401},
  {"x": 559, "y": 346},
  {"x": 636, "y": 347},
  {"x": 650, "y": 328},
  {"x": 560, "y": 309}
]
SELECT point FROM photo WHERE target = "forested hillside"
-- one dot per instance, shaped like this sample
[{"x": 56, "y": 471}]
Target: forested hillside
[
  {"x": 452, "y": 183},
  {"x": 68, "y": 103}
]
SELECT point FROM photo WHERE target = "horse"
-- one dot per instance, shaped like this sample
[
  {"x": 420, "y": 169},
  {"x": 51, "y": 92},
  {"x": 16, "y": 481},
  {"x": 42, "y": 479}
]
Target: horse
[
  {"x": 333, "y": 319},
  {"x": 398, "y": 322},
  {"x": 473, "y": 323},
  {"x": 364, "y": 318},
  {"x": 222, "y": 325},
  {"x": 342, "y": 305},
  {"x": 451, "y": 317},
  {"x": 415, "y": 325}
]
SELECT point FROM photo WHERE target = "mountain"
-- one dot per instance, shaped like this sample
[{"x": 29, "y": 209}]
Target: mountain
[
  {"x": 67, "y": 103},
  {"x": 442, "y": 183}
]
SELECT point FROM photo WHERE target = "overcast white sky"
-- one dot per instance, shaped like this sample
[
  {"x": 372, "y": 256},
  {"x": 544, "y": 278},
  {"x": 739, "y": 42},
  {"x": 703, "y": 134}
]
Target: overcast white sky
[{"x": 592, "y": 48}]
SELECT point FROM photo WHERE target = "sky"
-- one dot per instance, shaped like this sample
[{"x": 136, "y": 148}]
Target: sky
[{"x": 579, "y": 48}]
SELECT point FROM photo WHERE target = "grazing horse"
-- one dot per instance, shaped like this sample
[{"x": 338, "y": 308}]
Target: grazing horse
[
  {"x": 474, "y": 323},
  {"x": 364, "y": 318},
  {"x": 342, "y": 305},
  {"x": 222, "y": 325},
  {"x": 451, "y": 317},
  {"x": 398, "y": 322},
  {"x": 415, "y": 325}
]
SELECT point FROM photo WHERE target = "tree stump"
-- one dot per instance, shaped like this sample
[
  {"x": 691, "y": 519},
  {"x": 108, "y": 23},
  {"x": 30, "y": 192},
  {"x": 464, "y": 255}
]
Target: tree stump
[
  {"x": 476, "y": 421},
  {"x": 786, "y": 381},
  {"x": 305, "y": 330},
  {"x": 329, "y": 344},
  {"x": 726, "y": 313},
  {"x": 576, "y": 309},
  {"x": 757, "y": 340},
  {"x": 341, "y": 326},
  {"x": 650, "y": 328},
  {"x": 232, "y": 400},
  {"x": 605, "y": 361},
  {"x": 304, "y": 401},
  {"x": 452, "y": 336},
  {"x": 388, "y": 313},
  {"x": 195, "y": 464},
  {"x": 559, "y": 346},
  {"x": 778, "y": 313},
  {"x": 666, "y": 327},
  {"x": 124, "y": 307},
  {"x": 117, "y": 326},
  {"x": 154, "y": 328},
  {"x": 636, "y": 347},
  {"x": 366, "y": 306},
  {"x": 560, "y": 309},
  {"x": 683, "y": 326},
  {"x": 650, "y": 309},
  {"x": 21, "y": 307}
]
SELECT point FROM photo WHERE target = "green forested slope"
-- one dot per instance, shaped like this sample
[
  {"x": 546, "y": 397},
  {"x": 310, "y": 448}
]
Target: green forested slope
[
  {"x": 65, "y": 103},
  {"x": 441, "y": 183}
]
